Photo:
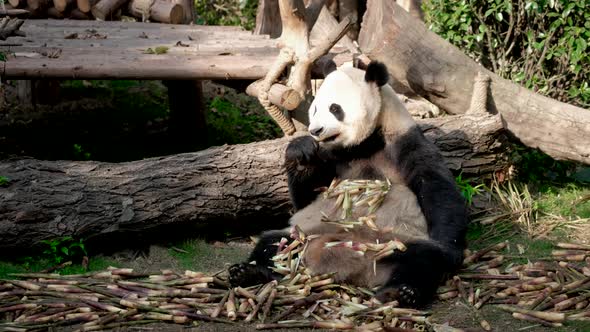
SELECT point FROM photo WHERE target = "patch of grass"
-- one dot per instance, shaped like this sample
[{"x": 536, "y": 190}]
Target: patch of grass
[
  {"x": 29, "y": 264},
  {"x": 467, "y": 189},
  {"x": 4, "y": 181},
  {"x": 229, "y": 124},
  {"x": 202, "y": 256},
  {"x": 571, "y": 200}
]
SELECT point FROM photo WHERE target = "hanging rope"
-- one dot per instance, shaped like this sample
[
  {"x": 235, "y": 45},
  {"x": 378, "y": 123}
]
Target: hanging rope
[
  {"x": 479, "y": 96},
  {"x": 285, "y": 58}
]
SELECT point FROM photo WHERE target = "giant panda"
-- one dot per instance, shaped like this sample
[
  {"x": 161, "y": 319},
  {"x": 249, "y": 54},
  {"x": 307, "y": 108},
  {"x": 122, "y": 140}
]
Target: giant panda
[{"x": 359, "y": 129}]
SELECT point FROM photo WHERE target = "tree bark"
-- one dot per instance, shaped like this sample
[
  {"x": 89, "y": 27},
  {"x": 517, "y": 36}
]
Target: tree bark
[
  {"x": 105, "y": 9},
  {"x": 85, "y": 6},
  {"x": 62, "y": 5},
  {"x": 18, "y": 3},
  {"x": 243, "y": 185},
  {"x": 440, "y": 72},
  {"x": 166, "y": 12}
]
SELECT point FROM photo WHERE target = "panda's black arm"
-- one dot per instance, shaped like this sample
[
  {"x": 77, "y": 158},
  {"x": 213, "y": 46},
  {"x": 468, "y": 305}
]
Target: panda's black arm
[
  {"x": 426, "y": 174},
  {"x": 308, "y": 168}
]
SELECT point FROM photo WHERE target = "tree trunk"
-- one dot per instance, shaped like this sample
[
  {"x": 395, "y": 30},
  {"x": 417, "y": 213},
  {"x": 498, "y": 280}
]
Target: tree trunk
[
  {"x": 55, "y": 13},
  {"x": 268, "y": 18},
  {"x": 244, "y": 185},
  {"x": 18, "y": 3},
  {"x": 105, "y": 9},
  {"x": 188, "y": 9},
  {"x": 62, "y": 5},
  {"x": 77, "y": 14},
  {"x": 166, "y": 12},
  {"x": 440, "y": 72},
  {"x": 85, "y": 6}
]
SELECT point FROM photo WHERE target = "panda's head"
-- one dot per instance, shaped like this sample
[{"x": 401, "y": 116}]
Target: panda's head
[{"x": 346, "y": 108}]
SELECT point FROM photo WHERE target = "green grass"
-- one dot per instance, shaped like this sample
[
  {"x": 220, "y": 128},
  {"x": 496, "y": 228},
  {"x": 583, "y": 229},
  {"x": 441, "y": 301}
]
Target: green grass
[
  {"x": 28, "y": 264},
  {"x": 201, "y": 256},
  {"x": 566, "y": 201},
  {"x": 231, "y": 124},
  {"x": 482, "y": 236}
]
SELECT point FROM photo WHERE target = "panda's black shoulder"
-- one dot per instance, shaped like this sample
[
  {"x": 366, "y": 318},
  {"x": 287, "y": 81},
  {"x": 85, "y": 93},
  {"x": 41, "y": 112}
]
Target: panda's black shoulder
[{"x": 414, "y": 154}]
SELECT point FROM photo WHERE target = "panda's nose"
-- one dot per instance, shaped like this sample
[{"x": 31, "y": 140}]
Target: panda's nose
[{"x": 316, "y": 131}]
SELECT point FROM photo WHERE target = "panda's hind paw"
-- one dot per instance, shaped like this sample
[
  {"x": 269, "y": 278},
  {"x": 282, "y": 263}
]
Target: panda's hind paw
[
  {"x": 245, "y": 275},
  {"x": 407, "y": 296}
]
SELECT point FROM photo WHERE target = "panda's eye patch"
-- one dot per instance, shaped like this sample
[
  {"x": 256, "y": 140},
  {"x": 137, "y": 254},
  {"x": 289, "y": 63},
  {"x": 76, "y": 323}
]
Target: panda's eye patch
[{"x": 337, "y": 111}]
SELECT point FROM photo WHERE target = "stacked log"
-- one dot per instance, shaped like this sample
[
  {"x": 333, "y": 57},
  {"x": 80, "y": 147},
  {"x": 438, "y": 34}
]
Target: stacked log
[{"x": 161, "y": 11}]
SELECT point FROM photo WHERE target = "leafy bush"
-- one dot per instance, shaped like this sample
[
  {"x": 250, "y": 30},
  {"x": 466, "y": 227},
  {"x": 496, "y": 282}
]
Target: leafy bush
[
  {"x": 226, "y": 12},
  {"x": 541, "y": 44},
  {"x": 61, "y": 249}
]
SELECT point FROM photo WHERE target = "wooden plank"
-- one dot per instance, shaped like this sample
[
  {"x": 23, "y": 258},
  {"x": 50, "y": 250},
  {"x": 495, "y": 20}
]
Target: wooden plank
[
  {"x": 157, "y": 67},
  {"x": 207, "y": 52}
]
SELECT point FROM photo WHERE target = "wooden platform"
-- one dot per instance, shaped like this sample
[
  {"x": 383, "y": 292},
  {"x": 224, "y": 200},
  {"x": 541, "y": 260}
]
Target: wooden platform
[{"x": 70, "y": 49}]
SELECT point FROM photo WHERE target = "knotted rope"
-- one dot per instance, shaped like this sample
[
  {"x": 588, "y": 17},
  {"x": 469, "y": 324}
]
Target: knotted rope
[{"x": 285, "y": 58}]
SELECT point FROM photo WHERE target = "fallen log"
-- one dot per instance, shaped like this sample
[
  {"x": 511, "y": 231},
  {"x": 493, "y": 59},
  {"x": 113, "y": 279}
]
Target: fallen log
[
  {"x": 243, "y": 185},
  {"x": 440, "y": 72}
]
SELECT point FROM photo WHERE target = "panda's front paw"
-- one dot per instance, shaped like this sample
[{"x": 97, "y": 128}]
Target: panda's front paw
[
  {"x": 245, "y": 275},
  {"x": 405, "y": 295},
  {"x": 302, "y": 150}
]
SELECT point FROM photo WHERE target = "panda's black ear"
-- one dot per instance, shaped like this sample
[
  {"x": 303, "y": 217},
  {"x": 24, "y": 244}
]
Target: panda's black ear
[{"x": 377, "y": 73}]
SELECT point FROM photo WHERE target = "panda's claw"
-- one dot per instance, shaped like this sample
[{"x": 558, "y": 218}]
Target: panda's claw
[{"x": 406, "y": 295}]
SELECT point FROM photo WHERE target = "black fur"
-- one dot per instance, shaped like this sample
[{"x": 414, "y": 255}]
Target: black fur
[
  {"x": 337, "y": 111},
  {"x": 424, "y": 171},
  {"x": 310, "y": 167},
  {"x": 419, "y": 270},
  {"x": 245, "y": 274},
  {"x": 377, "y": 73}
]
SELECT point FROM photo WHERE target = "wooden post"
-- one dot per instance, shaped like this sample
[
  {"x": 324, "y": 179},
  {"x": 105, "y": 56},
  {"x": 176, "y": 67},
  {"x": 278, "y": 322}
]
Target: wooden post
[{"x": 187, "y": 117}]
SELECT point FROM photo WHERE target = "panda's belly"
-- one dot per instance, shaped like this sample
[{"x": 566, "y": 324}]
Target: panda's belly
[{"x": 399, "y": 216}]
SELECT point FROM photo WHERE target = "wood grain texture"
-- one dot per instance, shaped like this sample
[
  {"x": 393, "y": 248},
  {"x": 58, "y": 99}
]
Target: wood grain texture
[{"x": 440, "y": 72}]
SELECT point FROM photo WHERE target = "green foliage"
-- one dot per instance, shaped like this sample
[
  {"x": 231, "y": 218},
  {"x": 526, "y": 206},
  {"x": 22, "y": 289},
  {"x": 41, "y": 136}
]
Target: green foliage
[
  {"x": 80, "y": 154},
  {"x": 157, "y": 50},
  {"x": 4, "y": 181},
  {"x": 534, "y": 166},
  {"x": 541, "y": 44},
  {"x": 467, "y": 189},
  {"x": 230, "y": 124},
  {"x": 63, "y": 249},
  {"x": 226, "y": 12},
  {"x": 2, "y": 56},
  {"x": 571, "y": 200}
]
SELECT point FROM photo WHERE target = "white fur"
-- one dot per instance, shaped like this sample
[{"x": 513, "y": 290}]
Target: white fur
[{"x": 362, "y": 106}]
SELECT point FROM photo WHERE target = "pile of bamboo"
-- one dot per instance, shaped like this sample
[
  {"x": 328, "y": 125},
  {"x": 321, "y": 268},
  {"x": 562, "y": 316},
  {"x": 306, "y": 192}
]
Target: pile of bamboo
[
  {"x": 163, "y": 11},
  {"x": 545, "y": 292},
  {"x": 548, "y": 292}
]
